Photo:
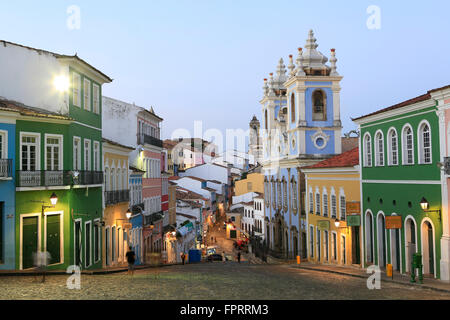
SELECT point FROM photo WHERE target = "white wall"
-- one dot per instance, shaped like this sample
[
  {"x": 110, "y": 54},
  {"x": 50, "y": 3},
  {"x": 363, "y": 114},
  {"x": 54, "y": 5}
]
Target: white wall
[
  {"x": 27, "y": 76},
  {"x": 193, "y": 185},
  {"x": 247, "y": 197},
  {"x": 208, "y": 172}
]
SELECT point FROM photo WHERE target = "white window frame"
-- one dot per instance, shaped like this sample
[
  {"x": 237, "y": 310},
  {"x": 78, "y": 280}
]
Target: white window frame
[
  {"x": 87, "y": 155},
  {"x": 391, "y": 151},
  {"x": 318, "y": 203},
  {"x": 99, "y": 244},
  {"x": 96, "y": 156},
  {"x": 333, "y": 204},
  {"x": 77, "y": 157},
  {"x": 367, "y": 152},
  {"x": 76, "y": 89},
  {"x": 61, "y": 151},
  {"x": 325, "y": 204},
  {"x": 96, "y": 98},
  {"x": 38, "y": 148},
  {"x": 334, "y": 246},
  {"x": 404, "y": 145},
  {"x": 379, "y": 154},
  {"x": 420, "y": 144},
  {"x": 342, "y": 209},
  {"x": 4, "y": 144},
  {"x": 61, "y": 234},
  {"x": 311, "y": 201},
  {"x": 87, "y": 95}
]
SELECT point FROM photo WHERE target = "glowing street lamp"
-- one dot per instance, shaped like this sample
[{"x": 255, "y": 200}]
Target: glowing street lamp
[
  {"x": 424, "y": 204},
  {"x": 337, "y": 223},
  {"x": 53, "y": 199},
  {"x": 128, "y": 214}
]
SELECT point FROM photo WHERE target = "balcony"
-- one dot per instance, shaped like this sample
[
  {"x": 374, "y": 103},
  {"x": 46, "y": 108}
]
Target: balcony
[
  {"x": 44, "y": 178},
  {"x": 5, "y": 168},
  {"x": 146, "y": 139},
  {"x": 154, "y": 217},
  {"x": 114, "y": 197}
]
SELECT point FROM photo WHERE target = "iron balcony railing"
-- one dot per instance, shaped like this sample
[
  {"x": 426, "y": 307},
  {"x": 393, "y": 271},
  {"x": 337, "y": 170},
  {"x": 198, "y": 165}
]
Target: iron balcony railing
[
  {"x": 154, "y": 217},
  {"x": 117, "y": 196},
  {"x": 5, "y": 168},
  {"x": 146, "y": 139},
  {"x": 47, "y": 178}
]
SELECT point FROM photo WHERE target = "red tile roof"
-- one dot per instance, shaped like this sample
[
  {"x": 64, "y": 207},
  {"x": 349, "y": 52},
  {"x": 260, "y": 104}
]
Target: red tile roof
[
  {"x": 346, "y": 159},
  {"x": 172, "y": 178}
]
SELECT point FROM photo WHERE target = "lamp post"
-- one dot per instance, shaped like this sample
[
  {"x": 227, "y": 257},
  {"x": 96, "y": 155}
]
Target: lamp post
[{"x": 425, "y": 205}]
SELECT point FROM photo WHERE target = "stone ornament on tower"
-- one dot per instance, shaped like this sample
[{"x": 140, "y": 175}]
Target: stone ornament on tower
[
  {"x": 271, "y": 85},
  {"x": 300, "y": 71},
  {"x": 333, "y": 61},
  {"x": 291, "y": 67},
  {"x": 265, "y": 88}
]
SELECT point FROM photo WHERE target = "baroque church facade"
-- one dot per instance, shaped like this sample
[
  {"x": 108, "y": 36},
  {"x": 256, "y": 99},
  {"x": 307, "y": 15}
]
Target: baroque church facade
[{"x": 301, "y": 126}]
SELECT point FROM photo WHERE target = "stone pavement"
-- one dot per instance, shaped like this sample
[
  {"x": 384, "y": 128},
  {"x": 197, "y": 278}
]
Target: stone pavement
[{"x": 428, "y": 283}]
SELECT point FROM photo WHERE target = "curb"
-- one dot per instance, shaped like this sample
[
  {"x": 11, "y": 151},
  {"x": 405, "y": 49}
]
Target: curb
[
  {"x": 364, "y": 277},
  {"x": 85, "y": 272}
]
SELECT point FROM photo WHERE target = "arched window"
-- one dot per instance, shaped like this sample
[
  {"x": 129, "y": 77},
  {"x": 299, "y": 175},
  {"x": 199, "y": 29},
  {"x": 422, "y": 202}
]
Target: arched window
[
  {"x": 285, "y": 201},
  {"x": 292, "y": 108},
  {"x": 392, "y": 147},
  {"x": 267, "y": 192},
  {"x": 274, "y": 194},
  {"x": 107, "y": 180},
  {"x": 379, "y": 149},
  {"x": 265, "y": 119},
  {"x": 317, "y": 201},
  {"x": 311, "y": 201},
  {"x": 319, "y": 106},
  {"x": 325, "y": 202},
  {"x": 424, "y": 143},
  {"x": 367, "y": 150},
  {"x": 279, "y": 194},
  {"x": 294, "y": 194},
  {"x": 113, "y": 180},
  {"x": 408, "y": 145}
]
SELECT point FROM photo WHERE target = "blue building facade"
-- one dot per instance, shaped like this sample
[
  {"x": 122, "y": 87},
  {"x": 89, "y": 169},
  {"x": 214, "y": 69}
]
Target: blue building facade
[
  {"x": 301, "y": 126},
  {"x": 7, "y": 195}
]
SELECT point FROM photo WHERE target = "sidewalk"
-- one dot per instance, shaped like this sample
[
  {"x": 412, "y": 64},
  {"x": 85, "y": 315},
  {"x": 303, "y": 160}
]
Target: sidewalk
[
  {"x": 401, "y": 279},
  {"x": 30, "y": 272}
]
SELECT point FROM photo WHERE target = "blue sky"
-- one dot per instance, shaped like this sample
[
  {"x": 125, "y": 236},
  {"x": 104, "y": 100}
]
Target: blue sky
[{"x": 206, "y": 59}]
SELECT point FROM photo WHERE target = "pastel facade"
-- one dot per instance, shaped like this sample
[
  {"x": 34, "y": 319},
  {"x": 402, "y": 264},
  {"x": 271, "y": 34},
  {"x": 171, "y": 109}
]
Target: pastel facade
[
  {"x": 330, "y": 185},
  {"x": 301, "y": 126},
  {"x": 400, "y": 147},
  {"x": 254, "y": 182}
]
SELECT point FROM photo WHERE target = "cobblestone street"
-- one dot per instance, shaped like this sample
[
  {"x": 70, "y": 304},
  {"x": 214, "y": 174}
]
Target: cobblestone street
[{"x": 216, "y": 281}]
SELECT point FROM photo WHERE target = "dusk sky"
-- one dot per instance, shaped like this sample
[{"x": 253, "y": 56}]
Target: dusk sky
[{"x": 206, "y": 59}]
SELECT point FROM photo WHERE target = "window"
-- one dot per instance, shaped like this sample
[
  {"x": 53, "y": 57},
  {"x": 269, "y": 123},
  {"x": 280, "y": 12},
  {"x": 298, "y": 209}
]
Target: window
[
  {"x": 249, "y": 186},
  {"x": 53, "y": 153},
  {"x": 76, "y": 153},
  {"x": 96, "y": 156},
  {"x": 393, "y": 148},
  {"x": 285, "y": 201},
  {"x": 96, "y": 98},
  {"x": 333, "y": 206},
  {"x": 87, "y": 244},
  {"x": 318, "y": 203},
  {"x": 319, "y": 106},
  {"x": 87, "y": 95},
  {"x": 292, "y": 108},
  {"x": 342, "y": 207},
  {"x": 334, "y": 245},
  {"x": 424, "y": 143},
  {"x": 294, "y": 195},
  {"x": 274, "y": 195},
  {"x": 311, "y": 202},
  {"x": 325, "y": 205},
  {"x": 76, "y": 86},
  {"x": 3, "y": 144},
  {"x": 279, "y": 194},
  {"x": 30, "y": 152},
  {"x": 113, "y": 244},
  {"x": 367, "y": 150},
  {"x": 408, "y": 145},
  {"x": 311, "y": 241},
  {"x": 87, "y": 155},
  {"x": 379, "y": 149}
]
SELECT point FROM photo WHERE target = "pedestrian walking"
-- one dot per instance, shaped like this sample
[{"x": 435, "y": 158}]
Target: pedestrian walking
[
  {"x": 131, "y": 258},
  {"x": 41, "y": 261},
  {"x": 239, "y": 257},
  {"x": 183, "y": 256}
]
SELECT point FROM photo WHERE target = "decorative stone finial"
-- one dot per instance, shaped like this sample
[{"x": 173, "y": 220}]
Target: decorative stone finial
[
  {"x": 333, "y": 61},
  {"x": 300, "y": 72},
  {"x": 291, "y": 66},
  {"x": 265, "y": 88},
  {"x": 271, "y": 85}
]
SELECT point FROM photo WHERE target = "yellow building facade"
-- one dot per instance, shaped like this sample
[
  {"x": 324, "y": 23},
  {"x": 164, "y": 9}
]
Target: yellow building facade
[
  {"x": 117, "y": 227},
  {"x": 333, "y": 196},
  {"x": 253, "y": 183}
]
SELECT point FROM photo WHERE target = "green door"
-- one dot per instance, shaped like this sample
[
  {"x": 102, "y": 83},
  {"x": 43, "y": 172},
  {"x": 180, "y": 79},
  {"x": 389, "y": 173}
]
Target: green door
[
  {"x": 29, "y": 241},
  {"x": 77, "y": 244},
  {"x": 233, "y": 234},
  {"x": 356, "y": 255},
  {"x": 431, "y": 249},
  {"x": 54, "y": 238}
]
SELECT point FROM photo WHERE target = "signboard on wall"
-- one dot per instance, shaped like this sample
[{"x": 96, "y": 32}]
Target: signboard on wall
[
  {"x": 354, "y": 221},
  {"x": 394, "y": 222},
  {"x": 323, "y": 225},
  {"x": 353, "y": 207}
]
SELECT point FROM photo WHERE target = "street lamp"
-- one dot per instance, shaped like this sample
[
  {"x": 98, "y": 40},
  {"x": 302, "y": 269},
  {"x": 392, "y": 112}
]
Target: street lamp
[
  {"x": 425, "y": 205},
  {"x": 53, "y": 199},
  {"x": 128, "y": 214},
  {"x": 337, "y": 223}
]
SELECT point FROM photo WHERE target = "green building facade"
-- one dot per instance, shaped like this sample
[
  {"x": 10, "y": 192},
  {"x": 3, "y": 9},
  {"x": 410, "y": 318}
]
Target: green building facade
[
  {"x": 399, "y": 153},
  {"x": 61, "y": 154}
]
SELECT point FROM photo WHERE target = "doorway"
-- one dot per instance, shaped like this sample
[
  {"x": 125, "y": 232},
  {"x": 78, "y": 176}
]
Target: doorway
[
  {"x": 344, "y": 250},
  {"x": 381, "y": 235},
  {"x": 410, "y": 242},
  {"x": 395, "y": 249},
  {"x": 77, "y": 242},
  {"x": 356, "y": 249},
  {"x": 369, "y": 238},
  {"x": 53, "y": 236},
  {"x": 428, "y": 248},
  {"x": 30, "y": 240}
]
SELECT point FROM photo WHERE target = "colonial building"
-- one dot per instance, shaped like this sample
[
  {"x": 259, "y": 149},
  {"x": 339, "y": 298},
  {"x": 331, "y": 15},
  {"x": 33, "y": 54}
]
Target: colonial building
[
  {"x": 301, "y": 126},
  {"x": 58, "y": 137},
  {"x": 255, "y": 148},
  {"x": 334, "y": 233},
  {"x": 401, "y": 185},
  {"x": 116, "y": 203}
]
